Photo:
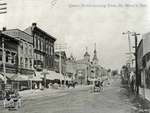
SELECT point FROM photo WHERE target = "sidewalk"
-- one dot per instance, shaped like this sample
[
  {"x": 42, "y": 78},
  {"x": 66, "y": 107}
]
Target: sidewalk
[{"x": 147, "y": 93}]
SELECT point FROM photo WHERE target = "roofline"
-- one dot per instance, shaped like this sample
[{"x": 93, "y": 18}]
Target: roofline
[
  {"x": 18, "y": 30},
  {"x": 45, "y": 33},
  {"x": 18, "y": 37},
  {"x": 10, "y": 36}
]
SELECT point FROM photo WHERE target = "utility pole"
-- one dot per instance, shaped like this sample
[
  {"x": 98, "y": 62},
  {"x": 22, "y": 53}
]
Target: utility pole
[
  {"x": 3, "y": 59},
  {"x": 136, "y": 62},
  {"x": 128, "y": 33},
  {"x": 60, "y": 47}
]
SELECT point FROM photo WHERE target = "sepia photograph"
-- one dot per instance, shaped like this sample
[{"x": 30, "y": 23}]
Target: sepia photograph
[{"x": 74, "y": 56}]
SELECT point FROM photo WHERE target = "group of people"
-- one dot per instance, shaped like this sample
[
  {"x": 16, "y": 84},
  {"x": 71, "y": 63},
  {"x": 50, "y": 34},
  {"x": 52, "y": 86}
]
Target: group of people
[
  {"x": 98, "y": 85},
  {"x": 12, "y": 99}
]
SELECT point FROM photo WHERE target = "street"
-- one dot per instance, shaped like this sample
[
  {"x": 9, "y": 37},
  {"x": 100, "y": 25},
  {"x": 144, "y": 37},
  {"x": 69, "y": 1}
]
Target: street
[{"x": 80, "y": 100}]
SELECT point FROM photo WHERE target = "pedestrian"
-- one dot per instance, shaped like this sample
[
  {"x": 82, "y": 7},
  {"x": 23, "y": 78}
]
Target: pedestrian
[{"x": 132, "y": 81}]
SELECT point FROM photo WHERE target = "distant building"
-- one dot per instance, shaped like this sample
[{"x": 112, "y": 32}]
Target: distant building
[
  {"x": 63, "y": 62},
  {"x": 95, "y": 65},
  {"x": 83, "y": 68},
  {"x": 43, "y": 45},
  {"x": 71, "y": 67}
]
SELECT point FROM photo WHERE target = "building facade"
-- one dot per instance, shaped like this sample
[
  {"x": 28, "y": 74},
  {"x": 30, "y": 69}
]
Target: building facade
[
  {"x": 24, "y": 50},
  {"x": 43, "y": 48},
  {"x": 10, "y": 53}
]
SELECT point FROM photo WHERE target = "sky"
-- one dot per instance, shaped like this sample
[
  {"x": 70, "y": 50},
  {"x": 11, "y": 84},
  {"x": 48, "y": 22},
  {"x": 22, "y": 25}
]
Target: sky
[{"x": 81, "y": 23}]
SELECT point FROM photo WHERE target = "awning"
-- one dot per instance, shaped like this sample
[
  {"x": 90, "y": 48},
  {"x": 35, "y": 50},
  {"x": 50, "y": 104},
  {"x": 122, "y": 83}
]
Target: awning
[
  {"x": 35, "y": 78},
  {"x": 10, "y": 75},
  {"x": 2, "y": 77},
  {"x": 50, "y": 75},
  {"x": 53, "y": 75},
  {"x": 91, "y": 79},
  {"x": 39, "y": 74},
  {"x": 19, "y": 77}
]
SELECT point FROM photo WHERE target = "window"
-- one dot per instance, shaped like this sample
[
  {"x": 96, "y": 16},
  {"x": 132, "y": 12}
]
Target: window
[
  {"x": 30, "y": 50},
  {"x": 38, "y": 43},
  {"x": 49, "y": 50},
  {"x": 13, "y": 58},
  {"x": 21, "y": 62},
  {"x": 41, "y": 44},
  {"x": 52, "y": 50},
  {"x": 26, "y": 49},
  {"x": 26, "y": 62},
  {"x": 35, "y": 41},
  {"x": 30, "y": 63},
  {"x": 1, "y": 55},
  {"x": 46, "y": 47},
  {"x": 8, "y": 57},
  {"x": 21, "y": 48},
  {"x": 42, "y": 58}
]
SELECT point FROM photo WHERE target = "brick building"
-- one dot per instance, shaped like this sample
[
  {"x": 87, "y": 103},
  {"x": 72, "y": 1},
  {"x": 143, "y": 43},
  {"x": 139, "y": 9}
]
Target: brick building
[{"x": 43, "y": 45}]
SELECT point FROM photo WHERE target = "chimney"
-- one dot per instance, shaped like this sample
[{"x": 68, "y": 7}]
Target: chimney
[
  {"x": 34, "y": 24},
  {"x": 4, "y": 28}
]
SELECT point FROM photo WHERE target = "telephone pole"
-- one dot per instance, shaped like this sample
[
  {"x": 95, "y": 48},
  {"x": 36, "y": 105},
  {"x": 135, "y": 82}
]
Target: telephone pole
[
  {"x": 136, "y": 62},
  {"x": 60, "y": 47},
  {"x": 128, "y": 33}
]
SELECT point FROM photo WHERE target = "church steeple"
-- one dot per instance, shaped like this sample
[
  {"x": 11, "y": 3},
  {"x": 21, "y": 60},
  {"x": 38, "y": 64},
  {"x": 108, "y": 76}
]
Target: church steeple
[
  {"x": 95, "y": 59},
  {"x": 87, "y": 55}
]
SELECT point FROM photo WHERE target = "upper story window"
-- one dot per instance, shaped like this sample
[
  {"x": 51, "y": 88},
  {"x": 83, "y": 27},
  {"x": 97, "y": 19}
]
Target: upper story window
[
  {"x": 8, "y": 57},
  {"x": 52, "y": 50},
  {"x": 26, "y": 62},
  {"x": 49, "y": 50},
  {"x": 41, "y": 44},
  {"x": 1, "y": 55},
  {"x": 30, "y": 63},
  {"x": 13, "y": 57},
  {"x": 21, "y": 62},
  {"x": 46, "y": 46},
  {"x": 21, "y": 48},
  {"x": 30, "y": 50},
  {"x": 35, "y": 41},
  {"x": 26, "y": 49}
]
